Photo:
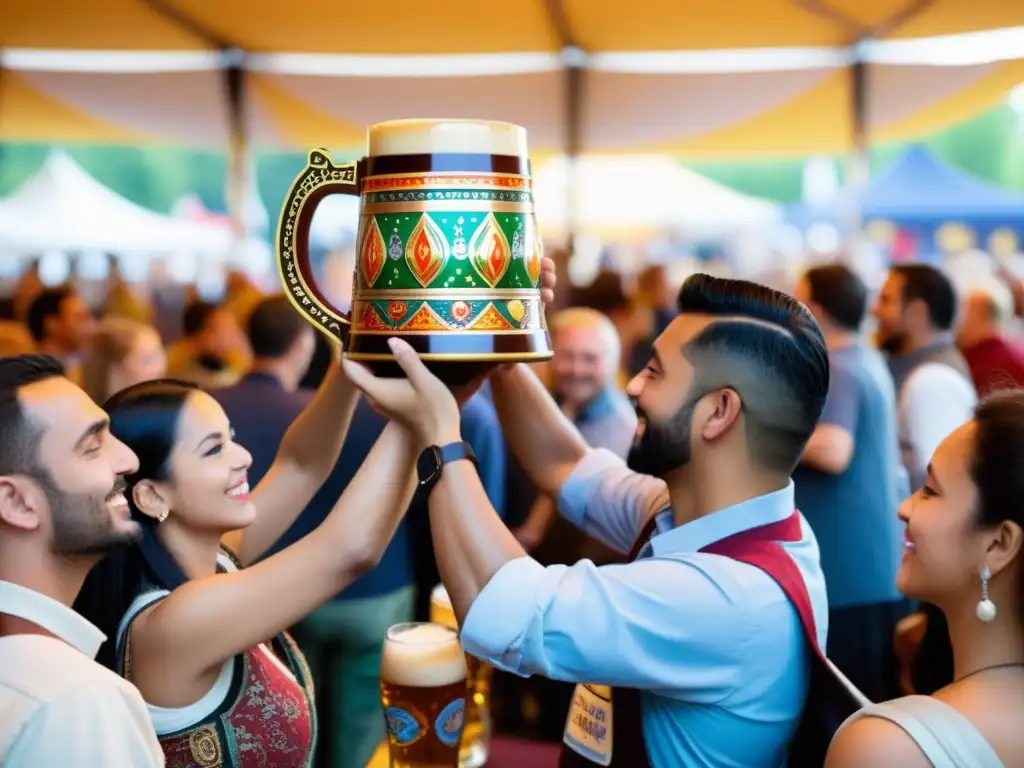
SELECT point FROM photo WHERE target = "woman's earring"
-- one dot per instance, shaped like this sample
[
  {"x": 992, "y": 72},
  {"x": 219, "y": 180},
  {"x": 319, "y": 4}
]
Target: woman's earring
[
  {"x": 986, "y": 609},
  {"x": 163, "y": 516}
]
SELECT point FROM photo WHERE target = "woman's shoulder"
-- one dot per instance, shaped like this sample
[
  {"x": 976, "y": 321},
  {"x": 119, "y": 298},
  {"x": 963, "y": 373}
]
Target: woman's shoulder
[{"x": 874, "y": 736}]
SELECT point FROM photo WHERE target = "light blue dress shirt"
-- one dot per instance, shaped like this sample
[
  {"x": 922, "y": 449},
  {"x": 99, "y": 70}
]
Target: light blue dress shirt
[{"x": 714, "y": 645}]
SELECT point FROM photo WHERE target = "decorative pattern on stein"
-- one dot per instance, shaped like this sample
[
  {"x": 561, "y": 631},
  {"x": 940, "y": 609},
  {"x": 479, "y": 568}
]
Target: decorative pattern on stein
[
  {"x": 491, "y": 320},
  {"x": 434, "y": 315},
  {"x": 489, "y": 250},
  {"x": 371, "y": 252},
  {"x": 426, "y": 251}
]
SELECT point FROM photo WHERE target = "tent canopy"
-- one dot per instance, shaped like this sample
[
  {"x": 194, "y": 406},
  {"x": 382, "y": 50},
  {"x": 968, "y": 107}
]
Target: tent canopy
[
  {"x": 457, "y": 26},
  {"x": 62, "y": 208},
  {"x": 919, "y": 186}
]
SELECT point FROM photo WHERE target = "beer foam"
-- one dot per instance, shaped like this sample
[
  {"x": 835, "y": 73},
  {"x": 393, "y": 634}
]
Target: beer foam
[
  {"x": 429, "y": 137},
  {"x": 423, "y": 656},
  {"x": 440, "y": 596}
]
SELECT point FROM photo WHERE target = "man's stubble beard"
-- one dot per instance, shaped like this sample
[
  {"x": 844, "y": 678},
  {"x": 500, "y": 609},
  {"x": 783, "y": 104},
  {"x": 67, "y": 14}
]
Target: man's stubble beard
[{"x": 82, "y": 523}]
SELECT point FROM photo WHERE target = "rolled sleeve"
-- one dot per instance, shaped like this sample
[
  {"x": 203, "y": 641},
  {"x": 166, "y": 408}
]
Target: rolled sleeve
[
  {"x": 655, "y": 624},
  {"x": 609, "y": 501}
]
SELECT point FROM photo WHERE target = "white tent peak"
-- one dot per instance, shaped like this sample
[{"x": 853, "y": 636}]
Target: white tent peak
[
  {"x": 643, "y": 194},
  {"x": 61, "y": 207}
]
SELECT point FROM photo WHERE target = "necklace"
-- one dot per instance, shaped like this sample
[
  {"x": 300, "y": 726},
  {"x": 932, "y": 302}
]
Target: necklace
[{"x": 990, "y": 667}]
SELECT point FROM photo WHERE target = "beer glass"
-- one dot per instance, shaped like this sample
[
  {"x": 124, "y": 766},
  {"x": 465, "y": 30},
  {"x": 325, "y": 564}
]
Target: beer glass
[
  {"x": 423, "y": 690},
  {"x": 476, "y": 735}
]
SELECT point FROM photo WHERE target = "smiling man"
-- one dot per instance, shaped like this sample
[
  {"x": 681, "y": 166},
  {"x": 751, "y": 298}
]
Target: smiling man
[
  {"x": 697, "y": 651},
  {"x": 61, "y": 510}
]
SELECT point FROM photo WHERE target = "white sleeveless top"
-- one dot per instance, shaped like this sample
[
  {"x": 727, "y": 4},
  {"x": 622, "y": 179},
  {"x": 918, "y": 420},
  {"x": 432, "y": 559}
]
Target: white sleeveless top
[
  {"x": 944, "y": 735},
  {"x": 168, "y": 720}
]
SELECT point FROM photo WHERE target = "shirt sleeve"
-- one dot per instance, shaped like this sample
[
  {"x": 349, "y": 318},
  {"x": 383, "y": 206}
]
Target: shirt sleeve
[
  {"x": 90, "y": 726},
  {"x": 619, "y": 625},
  {"x": 936, "y": 400},
  {"x": 842, "y": 404},
  {"x": 609, "y": 501}
]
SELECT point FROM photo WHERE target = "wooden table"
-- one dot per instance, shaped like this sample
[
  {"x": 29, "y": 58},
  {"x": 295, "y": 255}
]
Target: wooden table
[{"x": 505, "y": 753}]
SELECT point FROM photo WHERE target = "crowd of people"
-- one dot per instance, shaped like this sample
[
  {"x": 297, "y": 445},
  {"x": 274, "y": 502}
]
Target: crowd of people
[{"x": 180, "y": 509}]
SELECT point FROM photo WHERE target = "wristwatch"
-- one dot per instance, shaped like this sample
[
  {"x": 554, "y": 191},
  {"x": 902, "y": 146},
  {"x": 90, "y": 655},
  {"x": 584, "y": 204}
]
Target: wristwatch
[{"x": 433, "y": 458}]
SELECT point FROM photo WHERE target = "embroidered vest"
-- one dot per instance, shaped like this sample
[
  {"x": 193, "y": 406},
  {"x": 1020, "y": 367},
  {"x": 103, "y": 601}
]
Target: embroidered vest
[
  {"x": 267, "y": 720},
  {"x": 758, "y": 547}
]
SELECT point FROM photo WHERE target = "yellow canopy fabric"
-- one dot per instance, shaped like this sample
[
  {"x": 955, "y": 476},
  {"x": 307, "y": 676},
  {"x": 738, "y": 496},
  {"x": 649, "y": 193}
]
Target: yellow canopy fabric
[
  {"x": 693, "y": 116},
  {"x": 456, "y": 26}
]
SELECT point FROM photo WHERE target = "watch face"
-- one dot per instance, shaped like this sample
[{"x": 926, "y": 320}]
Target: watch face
[{"x": 428, "y": 465}]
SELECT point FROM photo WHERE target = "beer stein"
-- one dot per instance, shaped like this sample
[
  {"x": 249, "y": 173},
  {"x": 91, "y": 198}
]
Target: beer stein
[
  {"x": 423, "y": 691},
  {"x": 448, "y": 256}
]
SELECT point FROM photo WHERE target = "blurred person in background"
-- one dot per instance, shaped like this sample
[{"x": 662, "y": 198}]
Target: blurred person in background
[
  {"x": 62, "y": 326},
  {"x": 124, "y": 352},
  {"x": 964, "y": 544},
  {"x": 608, "y": 294},
  {"x": 15, "y": 339},
  {"x": 213, "y": 352},
  {"x": 995, "y": 362},
  {"x": 915, "y": 311},
  {"x": 850, "y": 483},
  {"x": 657, "y": 295}
]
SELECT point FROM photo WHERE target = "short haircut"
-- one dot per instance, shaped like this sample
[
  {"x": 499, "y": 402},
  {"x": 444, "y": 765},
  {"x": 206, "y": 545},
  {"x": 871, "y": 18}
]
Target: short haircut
[
  {"x": 930, "y": 285},
  {"x": 839, "y": 291},
  {"x": 769, "y": 349},
  {"x": 274, "y": 326},
  {"x": 195, "y": 317},
  {"x": 47, "y": 304},
  {"x": 585, "y": 317},
  {"x": 20, "y": 443}
]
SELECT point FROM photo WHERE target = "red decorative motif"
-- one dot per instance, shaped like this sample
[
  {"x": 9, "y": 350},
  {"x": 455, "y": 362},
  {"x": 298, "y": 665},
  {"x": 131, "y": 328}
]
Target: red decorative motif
[
  {"x": 533, "y": 261},
  {"x": 269, "y": 723},
  {"x": 370, "y": 320},
  {"x": 460, "y": 311},
  {"x": 397, "y": 310},
  {"x": 372, "y": 252},
  {"x": 426, "y": 251},
  {"x": 490, "y": 251}
]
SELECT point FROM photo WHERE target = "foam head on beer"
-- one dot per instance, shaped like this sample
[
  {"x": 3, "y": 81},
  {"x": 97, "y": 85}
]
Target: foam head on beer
[
  {"x": 418, "y": 137},
  {"x": 423, "y": 656}
]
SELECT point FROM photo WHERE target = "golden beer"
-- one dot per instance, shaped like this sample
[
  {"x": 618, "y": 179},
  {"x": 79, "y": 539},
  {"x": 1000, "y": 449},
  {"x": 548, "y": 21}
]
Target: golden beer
[
  {"x": 476, "y": 735},
  {"x": 423, "y": 691}
]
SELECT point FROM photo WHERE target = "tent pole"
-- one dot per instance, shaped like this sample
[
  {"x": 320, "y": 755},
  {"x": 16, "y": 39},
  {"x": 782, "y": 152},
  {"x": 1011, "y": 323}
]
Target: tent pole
[
  {"x": 858, "y": 169},
  {"x": 238, "y": 180}
]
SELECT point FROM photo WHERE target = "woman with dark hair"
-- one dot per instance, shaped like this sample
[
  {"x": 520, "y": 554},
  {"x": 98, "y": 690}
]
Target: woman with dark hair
[
  {"x": 964, "y": 538},
  {"x": 187, "y": 625}
]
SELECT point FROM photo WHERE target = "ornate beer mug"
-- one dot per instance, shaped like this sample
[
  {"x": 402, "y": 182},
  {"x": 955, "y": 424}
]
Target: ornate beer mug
[
  {"x": 476, "y": 734},
  {"x": 423, "y": 691},
  {"x": 447, "y": 252}
]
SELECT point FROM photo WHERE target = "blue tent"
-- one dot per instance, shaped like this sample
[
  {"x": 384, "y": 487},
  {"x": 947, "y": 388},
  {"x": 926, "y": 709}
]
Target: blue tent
[{"x": 921, "y": 192}]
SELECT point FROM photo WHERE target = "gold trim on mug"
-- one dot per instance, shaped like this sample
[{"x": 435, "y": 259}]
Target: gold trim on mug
[
  {"x": 451, "y": 206},
  {"x": 460, "y": 358}
]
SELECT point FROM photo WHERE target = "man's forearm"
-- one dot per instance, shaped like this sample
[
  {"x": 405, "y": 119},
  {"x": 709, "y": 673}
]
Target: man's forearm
[
  {"x": 546, "y": 444},
  {"x": 470, "y": 542}
]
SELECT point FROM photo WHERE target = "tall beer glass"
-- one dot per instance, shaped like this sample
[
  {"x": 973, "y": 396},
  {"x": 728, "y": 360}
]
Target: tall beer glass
[
  {"x": 423, "y": 690},
  {"x": 476, "y": 736}
]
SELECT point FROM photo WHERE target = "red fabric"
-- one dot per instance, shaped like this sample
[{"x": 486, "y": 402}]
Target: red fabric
[
  {"x": 995, "y": 364},
  {"x": 269, "y": 723},
  {"x": 758, "y": 547}
]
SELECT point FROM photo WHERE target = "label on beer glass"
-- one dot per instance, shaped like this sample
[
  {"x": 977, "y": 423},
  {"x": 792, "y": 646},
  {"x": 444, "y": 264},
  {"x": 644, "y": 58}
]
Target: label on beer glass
[
  {"x": 403, "y": 727},
  {"x": 588, "y": 728},
  {"x": 449, "y": 723}
]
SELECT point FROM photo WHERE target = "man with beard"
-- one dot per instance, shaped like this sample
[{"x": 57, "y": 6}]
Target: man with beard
[
  {"x": 61, "y": 509},
  {"x": 915, "y": 311},
  {"x": 703, "y": 644}
]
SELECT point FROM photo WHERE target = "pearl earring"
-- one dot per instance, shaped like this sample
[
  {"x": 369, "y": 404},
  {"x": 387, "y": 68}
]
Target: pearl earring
[
  {"x": 163, "y": 516},
  {"x": 986, "y": 609}
]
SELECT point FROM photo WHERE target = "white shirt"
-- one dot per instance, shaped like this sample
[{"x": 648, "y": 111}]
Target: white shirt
[
  {"x": 58, "y": 707},
  {"x": 934, "y": 401}
]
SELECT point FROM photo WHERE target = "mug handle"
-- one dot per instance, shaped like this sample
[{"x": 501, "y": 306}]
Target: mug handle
[{"x": 320, "y": 178}]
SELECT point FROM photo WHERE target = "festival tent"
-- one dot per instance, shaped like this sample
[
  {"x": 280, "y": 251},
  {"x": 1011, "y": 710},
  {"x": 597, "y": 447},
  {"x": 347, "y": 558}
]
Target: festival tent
[
  {"x": 920, "y": 192},
  {"x": 63, "y": 208},
  {"x": 626, "y": 198}
]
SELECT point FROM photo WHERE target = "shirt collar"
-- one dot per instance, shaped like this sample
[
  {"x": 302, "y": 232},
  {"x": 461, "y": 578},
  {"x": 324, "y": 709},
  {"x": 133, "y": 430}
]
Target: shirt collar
[
  {"x": 54, "y": 617},
  {"x": 699, "y": 533},
  {"x": 598, "y": 408}
]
